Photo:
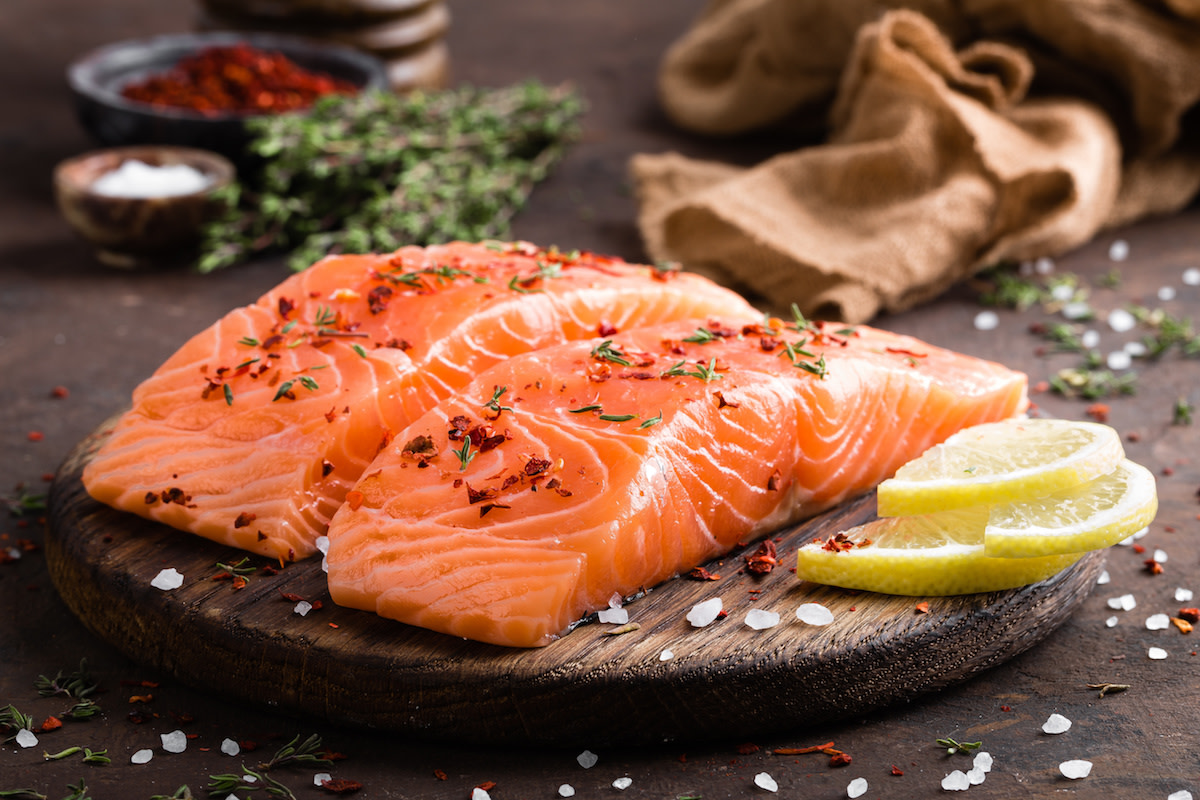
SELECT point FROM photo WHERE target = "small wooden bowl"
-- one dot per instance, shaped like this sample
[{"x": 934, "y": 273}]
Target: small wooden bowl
[{"x": 138, "y": 232}]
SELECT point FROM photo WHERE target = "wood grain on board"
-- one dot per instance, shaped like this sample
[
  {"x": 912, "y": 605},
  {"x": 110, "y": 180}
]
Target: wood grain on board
[{"x": 589, "y": 687}]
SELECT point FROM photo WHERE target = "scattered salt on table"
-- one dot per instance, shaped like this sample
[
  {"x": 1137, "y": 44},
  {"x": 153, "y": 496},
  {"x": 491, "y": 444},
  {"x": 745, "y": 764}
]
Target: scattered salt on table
[
  {"x": 1183, "y": 595},
  {"x": 760, "y": 620},
  {"x": 480, "y": 794},
  {"x": 587, "y": 759},
  {"x": 141, "y": 757},
  {"x": 138, "y": 179},
  {"x": 1075, "y": 769},
  {"x": 622, "y": 783},
  {"x": 703, "y": 614},
  {"x": 616, "y": 615},
  {"x": 983, "y": 761},
  {"x": 976, "y": 776},
  {"x": 763, "y": 780},
  {"x": 230, "y": 748},
  {"x": 814, "y": 614},
  {"x": 986, "y": 321},
  {"x": 1158, "y": 622},
  {"x": 26, "y": 738},
  {"x": 1111, "y": 622},
  {"x": 1090, "y": 339},
  {"x": 1135, "y": 349},
  {"x": 857, "y": 787},
  {"x": 566, "y": 790},
  {"x": 665, "y": 655},
  {"x": 174, "y": 742},
  {"x": 1044, "y": 265},
  {"x": 1125, "y": 602},
  {"x": 1182, "y": 794},
  {"x": 1056, "y": 723},
  {"x": 321, "y": 777},
  {"x": 1118, "y": 360},
  {"x": 1166, "y": 293},
  {"x": 1104, "y": 578},
  {"x": 1156, "y": 653},
  {"x": 1077, "y": 310},
  {"x": 167, "y": 579},
  {"x": 956, "y": 781},
  {"x": 303, "y": 607},
  {"x": 1191, "y": 276},
  {"x": 1161, "y": 556},
  {"x": 1062, "y": 292},
  {"x": 1118, "y": 250}
]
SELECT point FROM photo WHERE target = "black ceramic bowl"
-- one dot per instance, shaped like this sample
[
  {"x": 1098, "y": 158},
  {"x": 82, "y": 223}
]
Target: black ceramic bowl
[{"x": 97, "y": 79}]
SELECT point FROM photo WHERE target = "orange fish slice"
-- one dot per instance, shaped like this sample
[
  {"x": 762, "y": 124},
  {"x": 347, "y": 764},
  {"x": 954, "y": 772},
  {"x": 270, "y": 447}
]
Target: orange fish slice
[
  {"x": 252, "y": 433},
  {"x": 561, "y": 477}
]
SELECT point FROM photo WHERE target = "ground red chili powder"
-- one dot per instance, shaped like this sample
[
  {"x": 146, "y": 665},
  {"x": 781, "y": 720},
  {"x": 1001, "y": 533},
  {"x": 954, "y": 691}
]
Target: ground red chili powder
[{"x": 236, "y": 78}]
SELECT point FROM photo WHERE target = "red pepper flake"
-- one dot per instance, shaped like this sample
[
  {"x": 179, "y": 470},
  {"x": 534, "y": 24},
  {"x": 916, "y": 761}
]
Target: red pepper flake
[
  {"x": 1133, "y": 436},
  {"x": 897, "y": 771},
  {"x": 606, "y": 329},
  {"x": 1006, "y": 709},
  {"x": 922, "y": 607},
  {"x": 902, "y": 352},
  {"x": 244, "y": 519},
  {"x": 479, "y": 495},
  {"x": 141, "y": 698},
  {"x": 151, "y": 498},
  {"x": 286, "y": 307},
  {"x": 137, "y": 716},
  {"x": 799, "y": 751},
  {"x": 51, "y": 724},
  {"x": 1098, "y": 411},
  {"x": 340, "y": 786},
  {"x": 1152, "y": 566},
  {"x": 1190, "y": 614},
  {"x": 354, "y": 499},
  {"x": 840, "y": 543},
  {"x": 701, "y": 574},
  {"x": 1168, "y": 471},
  {"x": 840, "y": 759},
  {"x": 239, "y": 582},
  {"x": 459, "y": 426},
  {"x": 59, "y": 392},
  {"x": 377, "y": 299},
  {"x": 35, "y": 436},
  {"x": 536, "y": 466},
  {"x": 439, "y": 774},
  {"x": 748, "y": 748},
  {"x": 1182, "y": 624},
  {"x": 763, "y": 559},
  {"x": 1139, "y": 548}
]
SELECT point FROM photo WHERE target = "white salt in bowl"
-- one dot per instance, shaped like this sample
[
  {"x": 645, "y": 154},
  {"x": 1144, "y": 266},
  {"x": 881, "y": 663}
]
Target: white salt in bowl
[{"x": 156, "y": 215}]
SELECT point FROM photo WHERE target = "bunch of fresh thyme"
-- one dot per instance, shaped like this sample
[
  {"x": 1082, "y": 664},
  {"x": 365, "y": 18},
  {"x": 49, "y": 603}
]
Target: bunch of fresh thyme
[{"x": 378, "y": 171}]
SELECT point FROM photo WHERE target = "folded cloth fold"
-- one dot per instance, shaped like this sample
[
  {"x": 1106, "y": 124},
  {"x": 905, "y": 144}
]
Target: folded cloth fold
[{"x": 946, "y": 151}]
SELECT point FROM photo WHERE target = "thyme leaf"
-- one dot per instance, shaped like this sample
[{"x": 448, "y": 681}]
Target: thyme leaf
[
  {"x": 78, "y": 684},
  {"x": 606, "y": 352}
]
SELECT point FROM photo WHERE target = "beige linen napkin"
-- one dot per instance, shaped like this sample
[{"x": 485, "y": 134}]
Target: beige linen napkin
[{"x": 960, "y": 133}]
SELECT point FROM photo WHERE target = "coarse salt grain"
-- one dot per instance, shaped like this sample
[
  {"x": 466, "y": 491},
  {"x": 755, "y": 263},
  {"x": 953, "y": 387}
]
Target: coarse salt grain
[
  {"x": 167, "y": 579},
  {"x": 1183, "y": 595},
  {"x": 174, "y": 742},
  {"x": 987, "y": 321},
  {"x": 1158, "y": 622},
  {"x": 857, "y": 787},
  {"x": 1161, "y": 556},
  {"x": 1125, "y": 602},
  {"x": 975, "y": 776},
  {"x": 587, "y": 759},
  {"x": 1191, "y": 276},
  {"x": 1166, "y": 293},
  {"x": 983, "y": 761},
  {"x": 141, "y": 757},
  {"x": 665, "y": 655},
  {"x": 230, "y": 748},
  {"x": 1182, "y": 794},
  {"x": 26, "y": 738},
  {"x": 1056, "y": 723},
  {"x": 814, "y": 614},
  {"x": 303, "y": 607},
  {"x": 622, "y": 783},
  {"x": 1111, "y": 622},
  {"x": 1156, "y": 653},
  {"x": 703, "y": 614},
  {"x": 322, "y": 545},
  {"x": 1118, "y": 360},
  {"x": 1118, "y": 250},
  {"x": 1043, "y": 265},
  {"x": 480, "y": 794},
  {"x": 1121, "y": 320},
  {"x": 956, "y": 781},
  {"x": 321, "y": 777},
  {"x": 1135, "y": 349},
  {"x": 760, "y": 620},
  {"x": 566, "y": 790},
  {"x": 1104, "y": 578},
  {"x": 1062, "y": 292},
  {"x": 1077, "y": 310},
  {"x": 763, "y": 780},
  {"x": 616, "y": 615},
  {"x": 135, "y": 178},
  {"x": 1075, "y": 769},
  {"x": 1089, "y": 339}
]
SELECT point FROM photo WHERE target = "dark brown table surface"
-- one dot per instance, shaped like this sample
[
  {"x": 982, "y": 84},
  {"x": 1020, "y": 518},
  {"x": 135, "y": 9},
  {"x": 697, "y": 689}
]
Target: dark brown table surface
[{"x": 66, "y": 321}]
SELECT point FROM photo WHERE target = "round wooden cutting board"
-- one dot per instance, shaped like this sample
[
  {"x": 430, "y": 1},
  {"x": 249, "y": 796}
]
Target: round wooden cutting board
[{"x": 589, "y": 688}]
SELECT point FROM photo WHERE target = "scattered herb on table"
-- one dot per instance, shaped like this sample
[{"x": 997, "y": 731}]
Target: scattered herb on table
[
  {"x": 953, "y": 746},
  {"x": 378, "y": 171},
  {"x": 78, "y": 684}
]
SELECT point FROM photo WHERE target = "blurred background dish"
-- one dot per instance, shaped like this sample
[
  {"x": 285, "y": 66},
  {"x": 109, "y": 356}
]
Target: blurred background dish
[
  {"x": 98, "y": 78},
  {"x": 151, "y": 217}
]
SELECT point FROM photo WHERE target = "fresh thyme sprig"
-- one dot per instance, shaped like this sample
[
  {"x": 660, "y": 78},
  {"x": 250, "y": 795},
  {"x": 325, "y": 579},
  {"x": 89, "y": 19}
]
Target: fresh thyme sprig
[
  {"x": 295, "y": 753},
  {"x": 79, "y": 684},
  {"x": 23, "y": 502},
  {"x": 493, "y": 405},
  {"x": 380, "y": 170},
  {"x": 13, "y": 721},
  {"x": 953, "y": 747},
  {"x": 606, "y": 352}
]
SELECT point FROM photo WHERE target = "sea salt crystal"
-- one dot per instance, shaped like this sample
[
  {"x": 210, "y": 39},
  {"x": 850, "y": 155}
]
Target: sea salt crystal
[
  {"x": 26, "y": 738},
  {"x": 1056, "y": 723},
  {"x": 1158, "y": 622},
  {"x": 566, "y": 790},
  {"x": 1182, "y": 595},
  {"x": 983, "y": 761},
  {"x": 1166, "y": 293},
  {"x": 480, "y": 794},
  {"x": 13, "y": 554},
  {"x": 1089, "y": 339},
  {"x": 616, "y": 615},
  {"x": 1062, "y": 292},
  {"x": 956, "y": 781},
  {"x": 1125, "y": 602},
  {"x": 1135, "y": 349},
  {"x": 1111, "y": 622},
  {"x": 1191, "y": 276},
  {"x": 814, "y": 614},
  {"x": 249, "y": 779},
  {"x": 1119, "y": 360},
  {"x": 1104, "y": 578},
  {"x": 1156, "y": 653},
  {"x": 1182, "y": 794},
  {"x": 1044, "y": 265},
  {"x": 230, "y": 748},
  {"x": 857, "y": 787},
  {"x": 764, "y": 780},
  {"x": 1075, "y": 769},
  {"x": 703, "y": 614},
  {"x": 141, "y": 757},
  {"x": 321, "y": 777},
  {"x": 135, "y": 178},
  {"x": 1121, "y": 320},
  {"x": 760, "y": 620},
  {"x": 622, "y": 783},
  {"x": 1077, "y": 310},
  {"x": 665, "y": 655},
  {"x": 1118, "y": 250},
  {"x": 167, "y": 579},
  {"x": 174, "y": 742},
  {"x": 987, "y": 321},
  {"x": 975, "y": 776},
  {"x": 322, "y": 544},
  {"x": 303, "y": 607},
  {"x": 587, "y": 759},
  {"x": 1161, "y": 556}
]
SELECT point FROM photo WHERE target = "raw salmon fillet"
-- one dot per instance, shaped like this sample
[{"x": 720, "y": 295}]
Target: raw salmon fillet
[
  {"x": 252, "y": 433},
  {"x": 561, "y": 477}
]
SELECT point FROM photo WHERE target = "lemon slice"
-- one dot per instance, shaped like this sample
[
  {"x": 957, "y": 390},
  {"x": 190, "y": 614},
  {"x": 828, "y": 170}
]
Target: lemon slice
[
  {"x": 931, "y": 554},
  {"x": 1087, "y": 517},
  {"x": 1001, "y": 462}
]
